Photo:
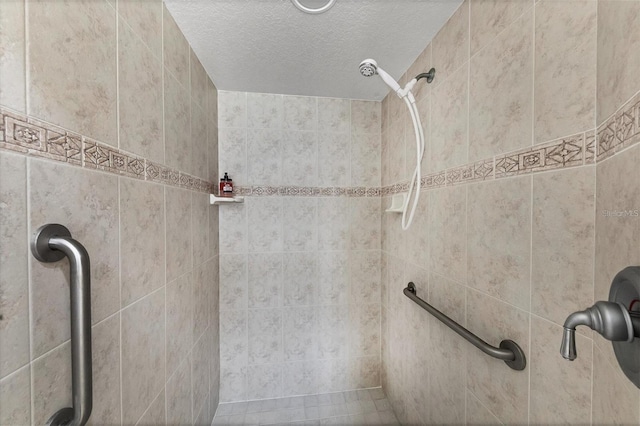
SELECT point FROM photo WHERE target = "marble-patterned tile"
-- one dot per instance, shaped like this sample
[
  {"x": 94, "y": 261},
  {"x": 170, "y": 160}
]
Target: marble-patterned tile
[
  {"x": 365, "y": 223},
  {"x": 232, "y": 154},
  {"x": 333, "y": 277},
  {"x": 200, "y": 217},
  {"x": 478, "y": 414},
  {"x": 142, "y": 239},
  {"x": 500, "y": 92},
  {"x": 140, "y": 96},
  {"x": 384, "y": 113},
  {"x": 505, "y": 392},
  {"x": 498, "y": 263},
  {"x": 365, "y": 276},
  {"x": 233, "y": 340},
  {"x": 334, "y": 164},
  {"x": 300, "y": 214},
  {"x": 300, "y": 333},
  {"x": 447, "y": 232},
  {"x": 417, "y": 240},
  {"x": 179, "y": 397},
  {"x": 233, "y": 228},
  {"x": 618, "y": 55},
  {"x": 334, "y": 115},
  {"x": 12, "y": 63},
  {"x": 203, "y": 285},
  {"x": 200, "y": 374},
  {"x": 449, "y": 122},
  {"x": 178, "y": 235},
  {"x": 265, "y": 280},
  {"x": 51, "y": 383},
  {"x": 145, "y": 19},
  {"x": 488, "y": 18},
  {"x": 143, "y": 354},
  {"x": 178, "y": 146},
  {"x": 333, "y": 230},
  {"x": 365, "y": 159},
  {"x": 300, "y": 158},
  {"x": 264, "y": 381},
  {"x": 333, "y": 332},
  {"x": 560, "y": 390},
  {"x": 397, "y": 154},
  {"x": 264, "y": 216},
  {"x": 233, "y": 383},
  {"x": 364, "y": 372},
  {"x": 264, "y": 111},
  {"x": 232, "y": 109},
  {"x": 563, "y": 241},
  {"x": 264, "y": 157},
  {"x": 422, "y": 63},
  {"x": 88, "y": 46},
  {"x": 179, "y": 315},
  {"x": 15, "y": 398},
  {"x": 233, "y": 281},
  {"x": 265, "y": 336},
  {"x": 365, "y": 117},
  {"x": 300, "y": 113},
  {"x": 300, "y": 378},
  {"x": 156, "y": 413},
  {"x": 90, "y": 212},
  {"x": 199, "y": 142},
  {"x": 565, "y": 68},
  {"x": 106, "y": 372},
  {"x": 199, "y": 80},
  {"x": 364, "y": 338},
  {"x": 333, "y": 375},
  {"x": 14, "y": 284},
  {"x": 300, "y": 279},
  {"x": 617, "y": 194},
  {"x": 175, "y": 49},
  {"x": 451, "y": 44}
]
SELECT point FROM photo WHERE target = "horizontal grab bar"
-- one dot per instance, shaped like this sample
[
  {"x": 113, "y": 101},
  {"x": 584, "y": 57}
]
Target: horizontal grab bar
[{"x": 509, "y": 351}]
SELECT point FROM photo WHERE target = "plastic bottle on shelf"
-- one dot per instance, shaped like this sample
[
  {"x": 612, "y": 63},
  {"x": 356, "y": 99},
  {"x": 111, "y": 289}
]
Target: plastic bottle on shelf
[{"x": 226, "y": 186}]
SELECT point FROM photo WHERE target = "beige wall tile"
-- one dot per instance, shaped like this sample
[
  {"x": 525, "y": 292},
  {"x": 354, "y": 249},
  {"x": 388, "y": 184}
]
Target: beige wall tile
[
  {"x": 233, "y": 281},
  {"x": 90, "y": 212},
  {"x": 179, "y": 240},
  {"x": 203, "y": 285},
  {"x": 264, "y": 218},
  {"x": 199, "y": 142},
  {"x": 145, "y": 18},
  {"x": 333, "y": 115},
  {"x": 142, "y": 239},
  {"x": 200, "y": 374},
  {"x": 179, "y": 321},
  {"x": 264, "y": 157},
  {"x": 563, "y": 240},
  {"x": 106, "y": 372},
  {"x": 179, "y": 398},
  {"x": 451, "y": 44},
  {"x": 51, "y": 382},
  {"x": 232, "y": 155},
  {"x": 175, "y": 49},
  {"x": 200, "y": 226},
  {"x": 88, "y": 46},
  {"x": 449, "y": 122},
  {"x": 560, "y": 390},
  {"x": 233, "y": 228},
  {"x": 155, "y": 414},
  {"x": 14, "y": 284},
  {"x": 300, "y": 279},
  {"x": 15, "y": 398},
  {"x": 178, "y": 145},
  {"x": 334, "y": 165},
  {"x": 498, "y": 263},
  {"x": 300, "y": 113},
  {"x": 365, "y": 160},
  {"x": 565, "y": 62},
  {"x": 300, "y": 158},
  {"x": 448, "y": 234},
  {"x": 490, "y": 17},
  {"x": 477, "y": 414},
  {"x": 143, "y": 354},
  {"x": 504, "y": 391},
  {"x": 618, "y": 54},
  {"x": 365, "y": 117},
  {"x": 12, "y": 63},
  {"x": 333, "y": 230},
  {"x": 140, "y": 97},
  {"x": 264, "y": 111},
  {"x": 301, "y": 217},
  {"x": 199, "y": 80},
  {"x": 365, "y": 223},
  {"x": 500, "y": 92},
  {"x": 232, "y": 109}
]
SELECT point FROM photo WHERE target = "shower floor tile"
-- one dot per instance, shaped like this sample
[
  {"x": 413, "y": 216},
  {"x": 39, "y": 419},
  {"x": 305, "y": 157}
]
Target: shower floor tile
[{"x": 358, "y": 407}]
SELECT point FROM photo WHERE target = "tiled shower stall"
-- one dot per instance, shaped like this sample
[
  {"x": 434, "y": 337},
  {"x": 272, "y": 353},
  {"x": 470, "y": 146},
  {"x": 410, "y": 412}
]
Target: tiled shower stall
[{"x": 110, "y": 125}]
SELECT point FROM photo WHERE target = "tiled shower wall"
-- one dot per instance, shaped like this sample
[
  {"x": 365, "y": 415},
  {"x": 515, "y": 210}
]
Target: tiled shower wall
[
  {"x": 300, "y": 259},
  {"x": 111, "y": 131},
  {"x": 529, "y": 209}
]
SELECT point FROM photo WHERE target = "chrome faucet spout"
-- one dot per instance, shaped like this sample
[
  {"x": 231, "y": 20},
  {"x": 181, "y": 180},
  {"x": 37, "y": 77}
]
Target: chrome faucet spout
[{"x": 611, "y": 320}]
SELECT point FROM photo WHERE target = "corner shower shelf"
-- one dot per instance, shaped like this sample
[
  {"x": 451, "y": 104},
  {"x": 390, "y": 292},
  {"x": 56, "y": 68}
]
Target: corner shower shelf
[
  {"x": 397, "y": 203},
  {"x": 215, "y": 200}
]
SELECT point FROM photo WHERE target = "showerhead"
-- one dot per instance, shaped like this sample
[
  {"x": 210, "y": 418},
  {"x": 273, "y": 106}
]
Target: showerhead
[{"x": 368, "y": 67}]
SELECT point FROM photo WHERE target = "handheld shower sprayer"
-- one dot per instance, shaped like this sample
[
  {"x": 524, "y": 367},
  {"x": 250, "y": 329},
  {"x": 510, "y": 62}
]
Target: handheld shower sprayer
[{"x": 368, "y": 68}]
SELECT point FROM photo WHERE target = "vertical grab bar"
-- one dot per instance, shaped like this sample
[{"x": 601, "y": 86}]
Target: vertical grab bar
[{"x": 51, "y": 243}]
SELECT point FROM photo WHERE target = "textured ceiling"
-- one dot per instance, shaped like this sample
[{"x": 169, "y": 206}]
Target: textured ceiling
[{"x": 269, "y": 46}]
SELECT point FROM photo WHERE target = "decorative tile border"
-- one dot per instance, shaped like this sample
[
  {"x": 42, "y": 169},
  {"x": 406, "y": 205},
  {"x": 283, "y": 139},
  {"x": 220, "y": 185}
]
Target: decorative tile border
[
  {"x": 36, "y": 138},
  {"x": 620, "y": 131},
  {"x": 306, "y": 191}
]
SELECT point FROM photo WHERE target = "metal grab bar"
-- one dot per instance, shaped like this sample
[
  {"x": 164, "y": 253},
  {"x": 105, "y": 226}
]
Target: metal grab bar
[
  {"x": 52, "y": 243},
  {"x": 509, "y": 351}
]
